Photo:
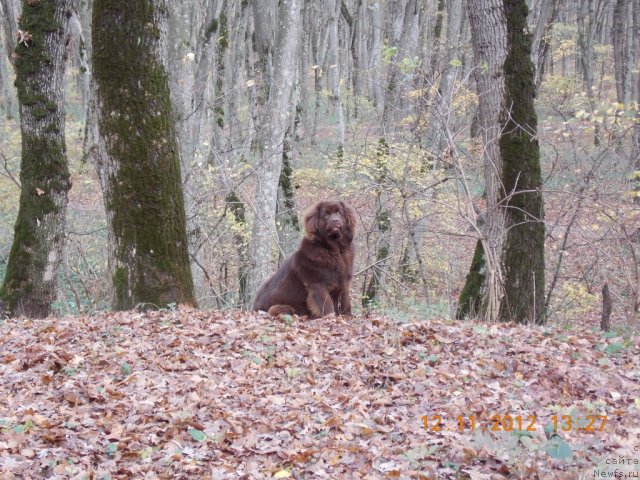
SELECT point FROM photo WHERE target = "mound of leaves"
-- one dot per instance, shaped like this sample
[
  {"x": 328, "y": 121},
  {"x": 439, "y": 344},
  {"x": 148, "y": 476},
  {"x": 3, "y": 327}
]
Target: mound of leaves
[{"x": 211, "y": 395}]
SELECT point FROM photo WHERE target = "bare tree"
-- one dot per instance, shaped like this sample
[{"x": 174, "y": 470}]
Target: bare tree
[
  {"x": 137, "y": 156},
  {"x": 30, "y": 282}
]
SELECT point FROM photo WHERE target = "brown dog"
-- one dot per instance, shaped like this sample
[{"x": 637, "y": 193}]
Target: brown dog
[{"x": 316, "y": 279}]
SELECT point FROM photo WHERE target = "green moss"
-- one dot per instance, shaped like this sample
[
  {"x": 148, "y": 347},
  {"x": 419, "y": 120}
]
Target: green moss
[
  {"x": 288, "y": 190},
  {"x": 38, "y": 19},
  {"x": 470, "y": 301},
  {"x": 223, "y": 39},
  {"x": 145, "y": 194},
  {"x": 44, "y": 175},
  {"x": 437, "y": 31},
  {"x": 523, "y": 258},
  {"x": 120, "y": 288},
  {"x": 211, "y": 29}
]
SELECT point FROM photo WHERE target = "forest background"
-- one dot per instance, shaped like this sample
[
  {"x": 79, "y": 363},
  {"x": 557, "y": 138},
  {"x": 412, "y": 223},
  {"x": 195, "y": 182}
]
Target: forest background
[{"x": 382, "y": 112}]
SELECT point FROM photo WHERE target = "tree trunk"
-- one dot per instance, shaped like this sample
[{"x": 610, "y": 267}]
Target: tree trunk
[
  {"x": 607, "y": 307},
  {"x": 489, "y": 39},
  {"x": 442, "y": 114},
  {"x": 471, "y": 296},
  {"x": 137, "y": 156},
  {"x": 335, "y": 97},
  {"x": 275, "y": 120},
  {"x": 586, "y": 32},
  {"x": 376, "y": 53},
  {"x": 8, "y": 29},
  {"x": 543, "y": 20},
  {"x": 286, "y": 212},
  {"x": 635, "y": 148},
  {"x": 30, "y": 281},
  {"x": 618, "y": 34},
  {"x": 237, "y": 208},
  {"x": 382, "y": 227},
  {"x": 405, "y": 42},
  {"x": 513, "y": 240},
  {"x": 523, "y": 254}
]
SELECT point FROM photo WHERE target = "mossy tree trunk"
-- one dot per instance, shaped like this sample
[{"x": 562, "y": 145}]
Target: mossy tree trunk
[
  {"x": 512, "y": 247},
  {"x": 237, "y": 209},
  {"x": 287, "y": 222},
  {"x": 137, "y": 156},
  {"x": 382, "y": 227},
  {"x": 30, "y": 282},
  {"x": 523, "y": 255}
]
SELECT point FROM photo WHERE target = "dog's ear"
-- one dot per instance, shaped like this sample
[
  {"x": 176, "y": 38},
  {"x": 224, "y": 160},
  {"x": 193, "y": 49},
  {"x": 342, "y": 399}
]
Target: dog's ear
[
  {"x": 311, "y": 220},
  {"x": 349, "y": 215}
]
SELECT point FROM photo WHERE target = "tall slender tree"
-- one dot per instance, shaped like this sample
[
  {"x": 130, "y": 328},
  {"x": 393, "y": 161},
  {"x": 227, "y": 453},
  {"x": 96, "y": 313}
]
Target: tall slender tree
[
  {"x": 30, "y": 282},
  {"x": 137, "y": 155},
  {"x": 281, "y": 47}
]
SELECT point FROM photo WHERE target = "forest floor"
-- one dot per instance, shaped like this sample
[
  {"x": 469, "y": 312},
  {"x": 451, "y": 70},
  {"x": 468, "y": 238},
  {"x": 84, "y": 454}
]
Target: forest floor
[{"x": 203, "y": 394}]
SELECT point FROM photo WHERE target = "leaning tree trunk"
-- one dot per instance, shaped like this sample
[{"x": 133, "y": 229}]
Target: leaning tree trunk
[
  {"x": 30, "y": 281},
  {"x": 523, "y": 255},
  {"x": 275, "y": 121},
  {"x": 137, "y": 156}
]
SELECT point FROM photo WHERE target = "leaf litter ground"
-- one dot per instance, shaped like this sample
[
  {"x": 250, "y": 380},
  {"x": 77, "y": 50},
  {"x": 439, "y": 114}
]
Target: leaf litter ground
[{"x": 201, "y": 394}]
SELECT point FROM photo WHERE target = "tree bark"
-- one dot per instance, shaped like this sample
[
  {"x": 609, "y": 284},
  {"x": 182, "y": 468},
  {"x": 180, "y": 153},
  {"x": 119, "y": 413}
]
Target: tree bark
[
  {"x": 382, "y": 227},
  {"x": 489, "y": 39},
  {"x": 335, "y": 97},
  {"x": 586, "y": 17},
  {"x": 513, "y": 240},
  {"x": 622, "y": 34},
  {"x": 30, "y": 281},
  {"x": 523, "y": 254},
  {"x": 8, "y": 29},
  {"x": 137, "y": 156},
  {"x": 376, "y": 52},
  {"x": 442, "y": 114},
  {"x": 405, "y": 41},
  {"x": 607, "y": 307},
  {"x": 275, "y": 120},
  {"x": 543, "y": 20},
  {"x": 471, "y": 296},
  {"x": 286, "y": 210}
]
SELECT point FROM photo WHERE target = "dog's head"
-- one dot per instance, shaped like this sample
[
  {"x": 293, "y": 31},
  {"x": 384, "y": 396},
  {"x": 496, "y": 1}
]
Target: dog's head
[{"x": 331, "y": 222}]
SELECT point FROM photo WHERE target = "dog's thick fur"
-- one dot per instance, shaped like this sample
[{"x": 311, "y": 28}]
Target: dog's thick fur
[{"x": 315, "y": 281}]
